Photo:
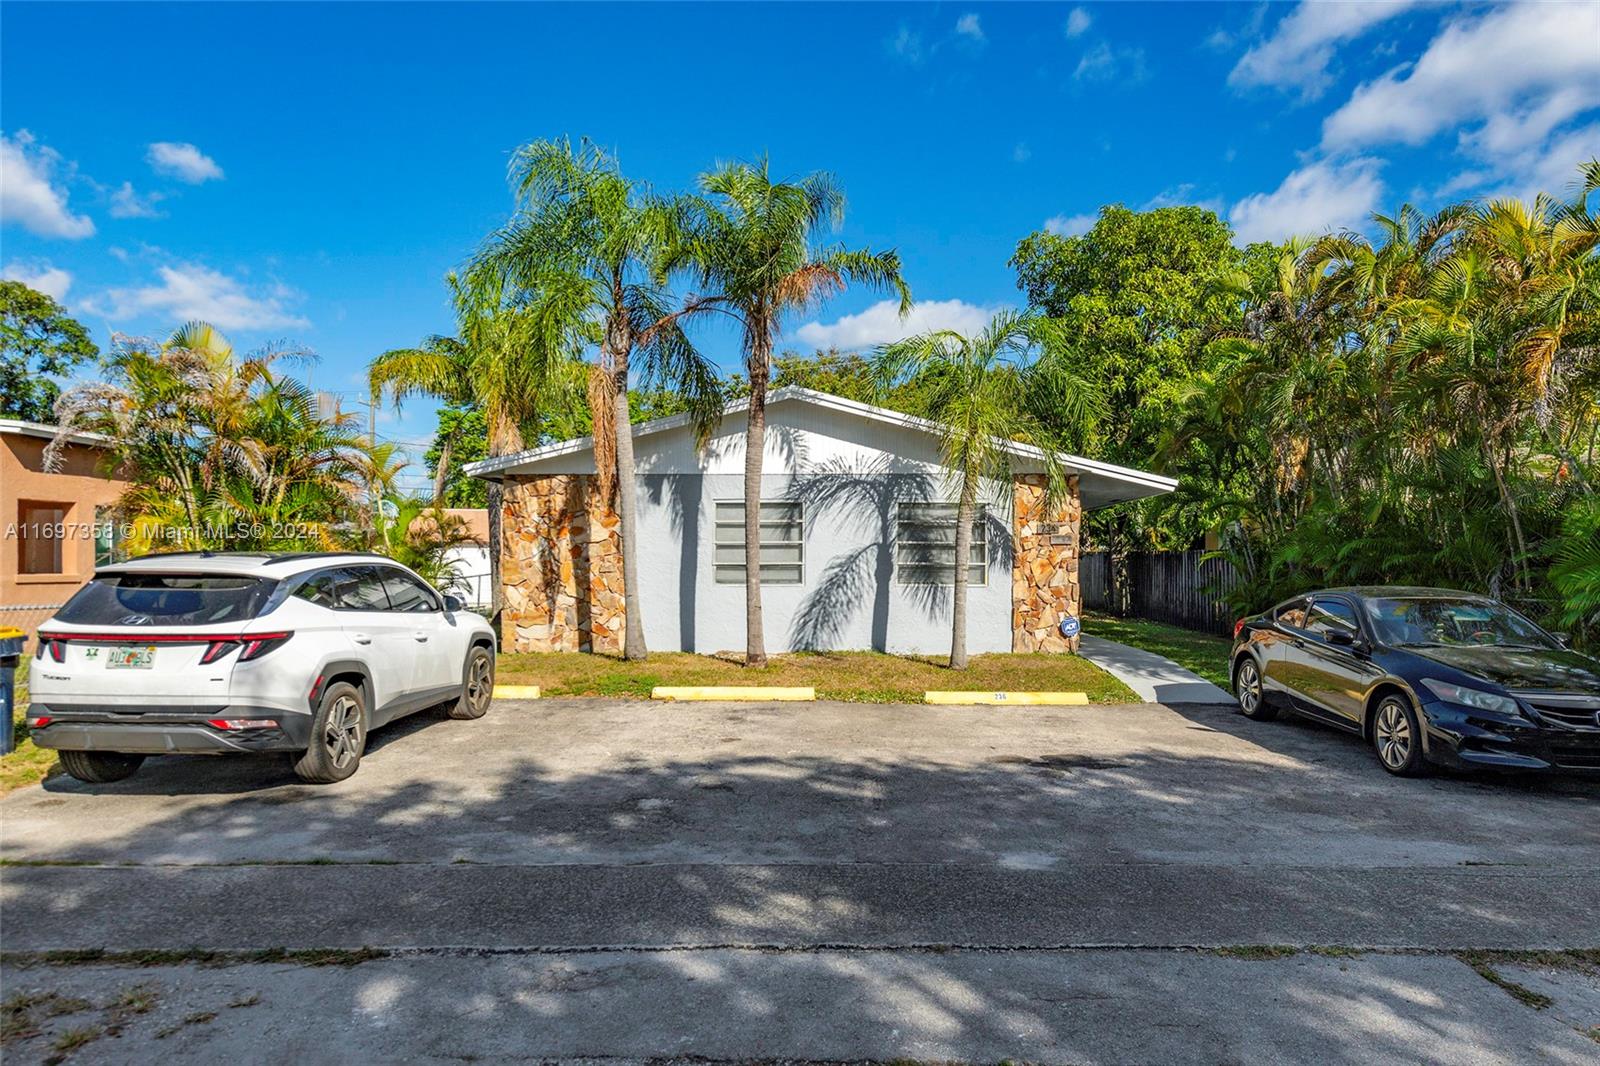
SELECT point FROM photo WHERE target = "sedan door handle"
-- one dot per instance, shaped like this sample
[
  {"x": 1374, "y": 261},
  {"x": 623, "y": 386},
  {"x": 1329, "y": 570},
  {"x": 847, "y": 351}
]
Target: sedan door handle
[
  {"x": 421, "y": 634},
  {"x": 361, "y": 638}
]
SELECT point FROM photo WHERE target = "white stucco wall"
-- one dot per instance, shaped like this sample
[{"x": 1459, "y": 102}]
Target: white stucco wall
[{"x": 850, "y": 598}]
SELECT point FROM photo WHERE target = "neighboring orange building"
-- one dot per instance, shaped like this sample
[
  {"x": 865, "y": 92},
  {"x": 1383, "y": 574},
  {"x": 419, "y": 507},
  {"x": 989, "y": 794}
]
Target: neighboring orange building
[{"x": 53, "y": 526}]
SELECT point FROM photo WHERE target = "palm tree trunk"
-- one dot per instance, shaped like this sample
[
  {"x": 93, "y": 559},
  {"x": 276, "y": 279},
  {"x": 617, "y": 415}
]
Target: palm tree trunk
[
  {"x": 755, "y": 439},
  {"x": 441, "y": 470},
  {"x": 496, "y": 493},
  {"x": 633, "y": 646},
  {"x": 958, "y": 593}
]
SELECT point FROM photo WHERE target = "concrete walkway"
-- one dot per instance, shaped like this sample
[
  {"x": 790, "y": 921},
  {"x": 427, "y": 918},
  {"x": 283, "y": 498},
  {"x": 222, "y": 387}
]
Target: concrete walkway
[{"x": 1155, "y": 678}]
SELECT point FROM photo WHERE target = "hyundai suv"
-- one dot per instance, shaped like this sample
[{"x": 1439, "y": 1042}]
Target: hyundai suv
[{"x": 204, "y": 653}]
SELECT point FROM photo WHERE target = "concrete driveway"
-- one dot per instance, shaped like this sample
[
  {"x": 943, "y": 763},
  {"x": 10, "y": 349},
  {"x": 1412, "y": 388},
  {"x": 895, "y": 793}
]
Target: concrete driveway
[{"x": 574, "y": 879}]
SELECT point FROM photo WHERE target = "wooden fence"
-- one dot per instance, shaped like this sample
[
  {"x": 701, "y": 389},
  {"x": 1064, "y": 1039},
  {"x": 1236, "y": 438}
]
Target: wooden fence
[{"x": 1180, "y": 588}]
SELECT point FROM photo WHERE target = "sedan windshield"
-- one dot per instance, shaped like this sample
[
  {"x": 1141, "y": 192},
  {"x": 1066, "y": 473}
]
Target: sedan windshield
[
  {"x": 166, "y": 600},
  {"x": 1441, "y": 621}
]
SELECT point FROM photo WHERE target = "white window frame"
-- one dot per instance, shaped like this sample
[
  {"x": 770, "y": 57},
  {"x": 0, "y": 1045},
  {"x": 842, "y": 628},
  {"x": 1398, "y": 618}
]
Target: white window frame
[
  {"x": 913, "y": 573},
  {"x": 723, "y": 572}
]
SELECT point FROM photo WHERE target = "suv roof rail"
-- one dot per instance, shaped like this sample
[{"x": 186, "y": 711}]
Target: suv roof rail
[
  {"x": 295, "y": 557},
  {"x": 202, "y": 552}
]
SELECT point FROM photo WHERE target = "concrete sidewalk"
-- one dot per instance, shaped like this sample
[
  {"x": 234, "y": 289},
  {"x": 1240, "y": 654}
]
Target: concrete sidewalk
[
  {"x": 1155, "y": 678},
  {"x": 813, "y": 1006}
]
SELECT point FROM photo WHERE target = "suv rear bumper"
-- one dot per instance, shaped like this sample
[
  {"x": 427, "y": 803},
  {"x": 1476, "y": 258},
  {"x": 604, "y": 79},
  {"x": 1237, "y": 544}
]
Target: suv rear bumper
[{"x": 81, "y": 727}]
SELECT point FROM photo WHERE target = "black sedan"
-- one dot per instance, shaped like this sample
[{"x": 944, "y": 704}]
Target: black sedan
[{"x": 1428, "y": 676}]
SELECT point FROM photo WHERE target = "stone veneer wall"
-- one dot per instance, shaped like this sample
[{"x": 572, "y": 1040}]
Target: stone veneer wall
[
  {"x": 560, "y": 567},
  {"x": 1044, "y": 574}
]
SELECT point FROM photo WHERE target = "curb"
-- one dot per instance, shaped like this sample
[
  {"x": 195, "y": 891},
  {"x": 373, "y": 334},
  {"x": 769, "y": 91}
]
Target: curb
[
  {"x": 731, "y": 692},
  {"x": 1017, "y": 699}
]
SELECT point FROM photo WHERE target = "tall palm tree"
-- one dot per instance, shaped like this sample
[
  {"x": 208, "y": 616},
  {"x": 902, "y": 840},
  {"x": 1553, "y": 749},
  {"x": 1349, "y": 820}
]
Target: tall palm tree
[
  {"x": 589, "y": 252},
  {"x": 441, "y": 367},
  {"x": 1011, "y": 382},
  {"x": 755, "y": 255},
  {"x": 497, "y": 360}
]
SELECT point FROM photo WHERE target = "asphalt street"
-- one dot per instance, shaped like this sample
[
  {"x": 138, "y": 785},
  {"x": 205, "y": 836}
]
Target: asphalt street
[{"x": 817, "y": 882}]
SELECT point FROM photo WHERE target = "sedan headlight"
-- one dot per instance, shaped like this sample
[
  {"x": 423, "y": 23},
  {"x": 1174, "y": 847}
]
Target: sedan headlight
[{"x": 1471, "y": 697}]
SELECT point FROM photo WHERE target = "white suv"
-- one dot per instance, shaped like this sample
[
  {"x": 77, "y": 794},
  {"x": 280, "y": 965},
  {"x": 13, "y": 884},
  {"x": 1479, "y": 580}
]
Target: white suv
[{"x": 217, "y": 652}]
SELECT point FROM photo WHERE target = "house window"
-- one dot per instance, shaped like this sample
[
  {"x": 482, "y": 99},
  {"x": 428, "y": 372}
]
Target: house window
[
  {"x": 925, "y": 545},
  {"x": 107, "y": 536},
  {"x": 782, "y": 543},
  {"x": 40, "y": 527}
]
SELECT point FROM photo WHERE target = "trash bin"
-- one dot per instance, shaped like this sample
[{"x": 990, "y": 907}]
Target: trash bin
[{"x": 11, "y": 640}]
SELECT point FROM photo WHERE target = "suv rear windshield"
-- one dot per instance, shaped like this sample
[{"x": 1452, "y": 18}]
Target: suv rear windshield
[{"x": 167, "y": 600}]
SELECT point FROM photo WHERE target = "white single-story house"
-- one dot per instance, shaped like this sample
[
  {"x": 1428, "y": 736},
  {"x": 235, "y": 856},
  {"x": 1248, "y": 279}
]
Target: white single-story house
[{"x": 858, "y": 530}]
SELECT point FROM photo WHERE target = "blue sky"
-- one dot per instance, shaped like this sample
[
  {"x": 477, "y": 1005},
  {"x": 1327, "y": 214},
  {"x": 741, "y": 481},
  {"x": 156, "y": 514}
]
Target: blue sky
[{"x": 308, "y": 173}]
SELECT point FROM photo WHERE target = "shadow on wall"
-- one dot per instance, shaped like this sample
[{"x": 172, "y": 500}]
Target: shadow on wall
[{"x": 865, "y": 501}]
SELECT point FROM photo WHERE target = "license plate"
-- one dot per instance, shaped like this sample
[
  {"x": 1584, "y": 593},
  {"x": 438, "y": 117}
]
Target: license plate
[{"x": 130, "y": 658}]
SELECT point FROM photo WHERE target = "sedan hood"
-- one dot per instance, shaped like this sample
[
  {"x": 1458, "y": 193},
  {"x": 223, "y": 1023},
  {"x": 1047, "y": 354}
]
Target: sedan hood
[{"x": 1522, "y": 668}]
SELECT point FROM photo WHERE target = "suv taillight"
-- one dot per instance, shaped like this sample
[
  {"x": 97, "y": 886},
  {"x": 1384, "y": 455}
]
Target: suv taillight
[
  {"x": 258, "y": 644},
  {"x": 1238, "y": 626},
  {"x": 56, "y": 647}
]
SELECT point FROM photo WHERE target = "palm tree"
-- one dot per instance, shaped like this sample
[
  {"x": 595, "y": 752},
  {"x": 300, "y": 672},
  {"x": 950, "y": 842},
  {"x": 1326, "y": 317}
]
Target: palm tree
[
  {"x": 1011, "y": 382},
  {"x": 589, "y": 251},
  {"x": 754, "y": 253},
  {"x": 496, "y": 361},
  {"x": 440, "y": 367}
]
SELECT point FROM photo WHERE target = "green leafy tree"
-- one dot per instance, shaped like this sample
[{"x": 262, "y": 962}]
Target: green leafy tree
[
  {"x": 756, "y": 258},
  {"x": 38, "y": 342},
  {"x": 223, "y": 451},
  {"x": 1011, "y": 382}
]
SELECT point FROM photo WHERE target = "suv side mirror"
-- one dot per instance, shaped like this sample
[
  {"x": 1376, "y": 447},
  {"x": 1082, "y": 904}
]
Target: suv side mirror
[
  {"x": 1344, "y": 638},
  {"x": 452, "y": 604}
]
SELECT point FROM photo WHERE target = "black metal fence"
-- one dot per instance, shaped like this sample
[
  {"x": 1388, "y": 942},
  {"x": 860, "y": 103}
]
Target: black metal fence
[{"x": 1180, "y": 588}]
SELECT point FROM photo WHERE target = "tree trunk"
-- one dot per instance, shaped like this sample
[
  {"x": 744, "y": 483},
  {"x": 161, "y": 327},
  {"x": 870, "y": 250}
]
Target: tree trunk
[
  {"x": 1516, "y": 523},
  {"x": 633, "y": 646},
  {"x": 440, "y": 471},
  {"x": 755, "y": 439},
  {"x": 496, "y": 494},
  {"x": 958, "y": 592}
]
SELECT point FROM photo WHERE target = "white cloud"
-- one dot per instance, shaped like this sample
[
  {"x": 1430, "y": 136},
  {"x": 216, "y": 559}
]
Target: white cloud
[
  {"x": 968, "y": 26},
  {"x": 881, "y": 323},
  {"x": 29, "y": 195},
  {"x": 1316, "y": 198},
  {"x": 1533, "y": 63},
  {"x": 1021, "y": 153},
  {"x": 191, "y": 291},
  {"x": 127, "y": 203},
  {"x": 52, "y": 281},
  {"x": 1182, "y": 196},
  {"x": 1102, "y": 63},
  {"x": 183, "y": 161},
  {"x": 1078, "y": 21},
  {"x": 1069, "y": 225},
  {"x": 907, "y": 45},
  {"x": 1301, "y": 46}
]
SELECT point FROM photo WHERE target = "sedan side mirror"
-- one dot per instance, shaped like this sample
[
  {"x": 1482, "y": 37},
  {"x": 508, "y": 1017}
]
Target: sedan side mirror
[
  {"x": 452, "y": 604},
  {"x": 1344, "y": 638}
]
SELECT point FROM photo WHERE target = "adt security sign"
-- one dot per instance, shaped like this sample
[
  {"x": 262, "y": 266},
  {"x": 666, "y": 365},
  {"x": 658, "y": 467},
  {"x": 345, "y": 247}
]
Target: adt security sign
[{"x": 1070, "y": 626}]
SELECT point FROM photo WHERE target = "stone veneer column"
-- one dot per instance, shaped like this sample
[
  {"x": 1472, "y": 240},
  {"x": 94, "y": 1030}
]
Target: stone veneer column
[
  {"x": 560, "y": 567},
  {"x": 1044, "y": 573}
]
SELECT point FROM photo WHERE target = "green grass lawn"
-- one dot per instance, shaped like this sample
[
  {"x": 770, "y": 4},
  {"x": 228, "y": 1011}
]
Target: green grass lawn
[
  {"x": 855, "y": 677},
  {"x": 1203, "y": 653}
]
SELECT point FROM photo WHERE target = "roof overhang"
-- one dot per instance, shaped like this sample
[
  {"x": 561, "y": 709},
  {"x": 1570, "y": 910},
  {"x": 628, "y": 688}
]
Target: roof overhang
[
  {"x": 1100, "y": 484},
  {"x": 20, "y": 428}
]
